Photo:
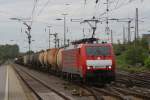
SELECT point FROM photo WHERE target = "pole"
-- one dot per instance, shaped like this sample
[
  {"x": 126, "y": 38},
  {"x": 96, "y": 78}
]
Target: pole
[
  {"x": 64, "y": 29},
  {"x": 83, "y": 33},
  {"x": 68, "y": 42},
  {"x": 49, "y": 42},
  {"x": 137, "y": 23},
  {"x": 135, "y": 31},
  {"x": 29, "y": 40},
  {"x": 107, "y": 10},
  {"x": 136, "y": 34},
  {"x": 49, "y": 38},
  {"x": 29, "y": 37},
  {"x": 123, "y": 35},
  {"x": 136, "y": 26},
  {"x": 29, "y": 48},
  {"x": 129, "y": 34},
  {"x": 111, "y": 36},
  {"x": 55, "y": 35},
  {"x": 58, "y": 43}
]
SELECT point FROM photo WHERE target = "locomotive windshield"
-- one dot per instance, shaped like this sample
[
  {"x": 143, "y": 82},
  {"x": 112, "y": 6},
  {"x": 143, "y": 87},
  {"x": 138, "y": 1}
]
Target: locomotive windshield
[{"x": 98, "y": 51}]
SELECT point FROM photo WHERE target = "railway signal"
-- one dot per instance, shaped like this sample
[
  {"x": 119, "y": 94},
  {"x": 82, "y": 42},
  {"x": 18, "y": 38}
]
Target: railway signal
[{"x": 28, "y": 31}]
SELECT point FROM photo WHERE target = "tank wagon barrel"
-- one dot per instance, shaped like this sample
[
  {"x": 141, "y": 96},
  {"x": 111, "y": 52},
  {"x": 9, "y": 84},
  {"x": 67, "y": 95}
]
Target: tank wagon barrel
[
  {"x": 26, "y": 60},
  {"x": 41, "y": 58},
  {"x": 36, "y": 62},
  {"x": 31, "y": 59},
  {"x": 52, "y": 57},
  {"x": 45, "y": 58},
  {"x": 59, "y": 59}
]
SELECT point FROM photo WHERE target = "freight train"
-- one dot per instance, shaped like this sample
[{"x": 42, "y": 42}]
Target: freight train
[{"x": 85, "y": 60}]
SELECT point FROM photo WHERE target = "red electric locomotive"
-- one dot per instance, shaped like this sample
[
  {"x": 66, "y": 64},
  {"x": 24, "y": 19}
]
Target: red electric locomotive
[
  {"x": 94, "y": 61},
  {"x": 86, "y": 59}
]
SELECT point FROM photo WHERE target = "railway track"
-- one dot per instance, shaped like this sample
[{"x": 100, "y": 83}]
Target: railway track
[
  {"x": 109, "y": 92},
  {"x": 136, "y": 79},
  {"x": 42, "y": 90},
  {"x": 39, "y": 88},
  {"x": 121, "y": 93},
  {"x": 134, "y": 87}
]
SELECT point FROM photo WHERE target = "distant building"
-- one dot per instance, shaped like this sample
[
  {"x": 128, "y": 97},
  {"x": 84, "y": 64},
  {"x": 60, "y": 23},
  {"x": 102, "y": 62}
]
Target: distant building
[{"x": 147, "y": 37}]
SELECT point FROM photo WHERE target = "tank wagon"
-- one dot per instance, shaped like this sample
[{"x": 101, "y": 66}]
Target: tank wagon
[
  {"x": 45, "y": 58},
  {"x": 36, "y": 62},
  {"x": 41, "y": 59},
  {"x": 52, "y": 58},
  {"x": 88, "y": 61}
]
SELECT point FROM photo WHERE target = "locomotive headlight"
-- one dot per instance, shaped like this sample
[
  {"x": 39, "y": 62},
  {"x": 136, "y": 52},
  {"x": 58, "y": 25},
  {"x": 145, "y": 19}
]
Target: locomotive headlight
[
  {"x": 109, "y": 66},
  {"x": 89, "y": 67}
]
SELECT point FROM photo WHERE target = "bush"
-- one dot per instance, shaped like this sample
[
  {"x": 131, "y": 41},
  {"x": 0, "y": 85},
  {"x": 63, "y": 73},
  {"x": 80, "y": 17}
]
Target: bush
[
  {"x": 144, "y": 44},
  {"x": 8, "y": 51},
  {"x": 134, "y": 56},
  {"x": 147, "y": 63},
  {"x": 119, "y": 49}
]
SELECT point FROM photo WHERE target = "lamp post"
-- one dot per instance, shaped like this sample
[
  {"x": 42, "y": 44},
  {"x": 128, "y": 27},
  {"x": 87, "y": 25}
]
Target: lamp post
[{"x": 64, "y": 27}]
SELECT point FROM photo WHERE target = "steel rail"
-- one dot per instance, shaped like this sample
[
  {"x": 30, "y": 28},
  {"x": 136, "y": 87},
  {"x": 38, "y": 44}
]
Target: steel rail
[{"x": 42, "y": 83}]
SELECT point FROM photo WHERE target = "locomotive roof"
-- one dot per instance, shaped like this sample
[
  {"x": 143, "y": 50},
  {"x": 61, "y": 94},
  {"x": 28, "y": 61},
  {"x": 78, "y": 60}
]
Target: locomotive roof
[
  {"x": 88, "y": 44},
  {"x": 97, "y": 44},
  {"x": 85, "y": 40}
]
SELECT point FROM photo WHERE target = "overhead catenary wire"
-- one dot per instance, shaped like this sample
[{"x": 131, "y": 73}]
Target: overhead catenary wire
[
  {"x": 112, "y": 3},
  {"x": 84, "y": 2},
  {"x": 96, "y": 1},
  {"x": 123, "y": 3},
  {"x": 33, "y": 11},
  {"x": 119, "y": 5},
  {"x": 42, "y": 9}
]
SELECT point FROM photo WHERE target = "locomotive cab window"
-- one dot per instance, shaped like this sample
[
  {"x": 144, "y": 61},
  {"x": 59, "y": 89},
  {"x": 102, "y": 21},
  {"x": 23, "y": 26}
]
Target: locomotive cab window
[{"x": 98, "y": 51}]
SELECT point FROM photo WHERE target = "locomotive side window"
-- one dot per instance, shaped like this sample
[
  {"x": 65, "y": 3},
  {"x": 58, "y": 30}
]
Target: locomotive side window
[{"x": 98, "y": 51}]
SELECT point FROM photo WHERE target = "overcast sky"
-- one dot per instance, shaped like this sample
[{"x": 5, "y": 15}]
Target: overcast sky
[{"x": 47, "y": 11}]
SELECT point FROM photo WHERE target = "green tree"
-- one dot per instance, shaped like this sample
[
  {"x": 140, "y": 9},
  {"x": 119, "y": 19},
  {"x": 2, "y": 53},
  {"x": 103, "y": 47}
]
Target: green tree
[
  {"x": 136, "y": 55},
  {"x": 8, "y": 51},
  {"x": 119, "y": 49},
  {"x": 147, "y": 63}
]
